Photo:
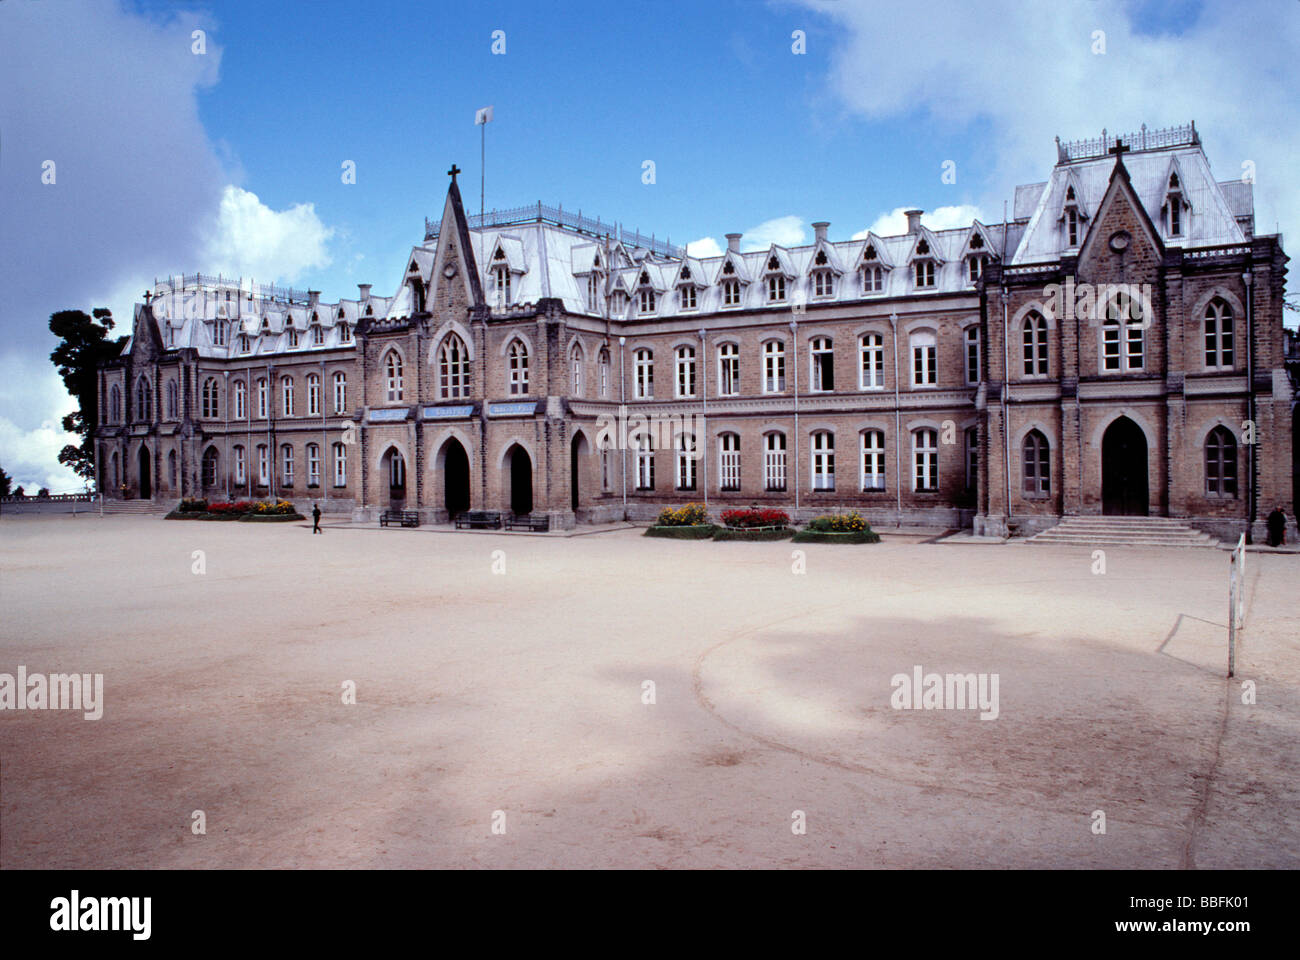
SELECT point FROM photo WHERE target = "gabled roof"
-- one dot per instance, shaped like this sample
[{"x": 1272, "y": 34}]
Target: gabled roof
[
  {"x": 934, "y": 252},
  {"x": 777, "y": 260},
  {"x": 511, "y": 250},
  {"x": 739, "y": 268},
  {"x": 1121, "y": 185},
  {"x": 833, "y": 260},
  {"x": 873, "y": 242},
  {"x": 1076, "y": 200},
  {"x": 988, "y": 248},
  {"x": 651, "y": 275},
  {"x": 1171, "y": 171},
  {"x": 586, "y": 258},
  {"x": 689, "y": 271}
]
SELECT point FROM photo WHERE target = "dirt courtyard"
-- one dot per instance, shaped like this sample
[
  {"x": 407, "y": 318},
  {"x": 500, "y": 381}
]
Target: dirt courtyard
[{"x": 506, "y": 691}]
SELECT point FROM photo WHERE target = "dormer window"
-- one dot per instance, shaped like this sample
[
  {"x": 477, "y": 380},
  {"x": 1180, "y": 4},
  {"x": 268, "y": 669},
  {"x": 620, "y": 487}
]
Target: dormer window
[
  {"x": 1175, "y": 204},
  {"x": 687, "y": 294},
  {"x": 293, "y": 338},
  {"x": 219, "y": 334},
  {"x": 823, "y": 278},
  {"x": 924, "y": 273},
  {"x": 1071, "y": 218},
  {"x": 501, "y": 281},
  {"x": 975, "y": 268},
  {"x": 731, "y": 293},
  {"x": 345, "y": 333},
  {"x": 317, "y": 336},
  {"x": 245, "y": 345},
  {"x": 593, "y": 293},
  {"x": 873, "y": 279},
  {"x": 619, "y": 303},
  {"x": 775, "y": 288},
  {"x": 645, "y": 300}
]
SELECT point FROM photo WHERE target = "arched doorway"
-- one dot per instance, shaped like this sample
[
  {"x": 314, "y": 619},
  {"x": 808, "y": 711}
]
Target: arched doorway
[
  {"x": 1124, "y": 488},
  {"x": 394, "y": 465},
  {"x": 455, "y": 477},
  {"x": 521, "y": 481},
  {"x": 576, "y": 451},
  {"x": 146, "y": 484}
]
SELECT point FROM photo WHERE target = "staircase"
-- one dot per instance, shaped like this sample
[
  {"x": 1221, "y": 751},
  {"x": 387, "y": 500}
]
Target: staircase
[
  {"x": 138, "y": 508},
  {"x": 1124, "y": 532}
]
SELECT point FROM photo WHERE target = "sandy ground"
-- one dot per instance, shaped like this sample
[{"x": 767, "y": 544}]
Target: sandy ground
[{"x": 521, "y": 692}]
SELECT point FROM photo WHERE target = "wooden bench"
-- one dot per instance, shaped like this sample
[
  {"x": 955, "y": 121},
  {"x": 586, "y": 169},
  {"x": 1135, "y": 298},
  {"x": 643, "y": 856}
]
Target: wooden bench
[
  {"x": 478, "y": 520},
  {"x": 407, "y": 518},
  {"x": 528, "y": 522}
]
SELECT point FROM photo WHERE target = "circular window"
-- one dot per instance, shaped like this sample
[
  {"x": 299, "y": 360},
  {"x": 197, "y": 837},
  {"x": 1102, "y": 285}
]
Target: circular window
[{"x": 1119, "y": 241}]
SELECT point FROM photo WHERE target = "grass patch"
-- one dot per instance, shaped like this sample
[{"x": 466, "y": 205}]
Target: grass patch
[
  {"x": 269, "y": 517},
  {"x": 823, "y": 536},
  {"x": 762, "y": 533}
]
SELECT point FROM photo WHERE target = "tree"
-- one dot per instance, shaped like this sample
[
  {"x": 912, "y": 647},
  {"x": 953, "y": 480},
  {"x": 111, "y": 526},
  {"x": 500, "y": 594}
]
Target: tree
[
  {"x": 5, "y": 482},
  {"x": 84, "y": 345},
  {"x": 43, "y": 492},
  {"x": 20, "y": 492}
]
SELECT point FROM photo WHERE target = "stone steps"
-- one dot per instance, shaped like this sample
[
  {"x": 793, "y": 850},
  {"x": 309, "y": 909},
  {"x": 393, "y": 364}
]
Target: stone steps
[
  {"x": 1125, "y": 531},
  {"x": 139, "y": 508}
]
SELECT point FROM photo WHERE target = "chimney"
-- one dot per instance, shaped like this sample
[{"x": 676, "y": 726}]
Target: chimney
[
  {"x": 365, "y": 291},
  {"x": 913, "y": 221},
  {"x": 313, "y": 297},
  {"x": 819, "y": 228},
  {"x": 733, "y": 242}
]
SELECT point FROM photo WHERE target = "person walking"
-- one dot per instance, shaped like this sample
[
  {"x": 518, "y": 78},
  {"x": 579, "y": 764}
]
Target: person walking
[
  {"x": 315, "y": 518},
  {"x": 1276, "y": 524}
]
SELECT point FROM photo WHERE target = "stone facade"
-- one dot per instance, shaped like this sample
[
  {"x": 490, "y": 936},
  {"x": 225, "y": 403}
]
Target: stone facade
[{"x": 962, "y": 394}]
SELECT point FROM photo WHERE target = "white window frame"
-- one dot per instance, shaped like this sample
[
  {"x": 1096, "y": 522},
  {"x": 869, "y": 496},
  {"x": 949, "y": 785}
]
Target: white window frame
[
  {"x": 340, "y": 453},
  {"x": 313, "y": 465},
  {"x": 684, "y": 385},
  {"x": 729, "y": 462},
  {"x": 643, "y": 381},
  {"x": 774, "y": 462},
  {"x": 394, "y": 377},
  {"x": 974, "y": 362},
  {"x": 517, "y": 359},
  {"x": 774, "y": 366},
  {"x": 925, "y": 359},
  {"x": 728, "y": 370},
  {"x": 822, "y": 461},
  {"x": 872, "y": 460},
  {"x": 925, "y": 460}
]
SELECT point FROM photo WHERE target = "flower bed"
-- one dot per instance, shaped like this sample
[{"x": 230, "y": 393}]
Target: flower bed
[
  {"x": 262, "y": 510},
  {"x": 838, "y": 528},
  {"x": 753, "y": 533},
  {"x": 690, "y": 515},
  {"x": 756, "y": 517}
]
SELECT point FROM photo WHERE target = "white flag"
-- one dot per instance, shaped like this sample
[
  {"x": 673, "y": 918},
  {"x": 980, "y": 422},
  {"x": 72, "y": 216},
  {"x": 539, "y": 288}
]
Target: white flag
[{"x": 483, "y": 116}]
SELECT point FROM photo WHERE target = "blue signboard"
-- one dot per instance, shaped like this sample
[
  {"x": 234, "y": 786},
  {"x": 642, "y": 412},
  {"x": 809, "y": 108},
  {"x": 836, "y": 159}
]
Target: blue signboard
[
  {"x": 448, "y": 413},
  {"x": 512, "y": 409}
]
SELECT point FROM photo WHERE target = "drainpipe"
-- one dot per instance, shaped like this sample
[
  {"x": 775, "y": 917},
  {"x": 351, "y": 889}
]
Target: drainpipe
[
  {"x": 898, "y": 426},
  {"x": 704, "y": 392},
  {"x": 794, "y": 362},
  {"x": 622, "y": 411},
  {"x": 1006, "y": 387},
  {"x": 1252, "y": 507},
  {"x": 323, "y": 460}
]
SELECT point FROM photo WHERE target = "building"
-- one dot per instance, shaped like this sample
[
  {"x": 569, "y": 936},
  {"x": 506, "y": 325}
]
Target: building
[{"x": 1116, "y": 347}]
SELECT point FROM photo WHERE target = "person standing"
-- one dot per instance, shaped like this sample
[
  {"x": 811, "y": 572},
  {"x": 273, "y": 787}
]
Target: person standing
[
  {"x": 1276, "y": 524},
  {"x": 315, "y": 518}
]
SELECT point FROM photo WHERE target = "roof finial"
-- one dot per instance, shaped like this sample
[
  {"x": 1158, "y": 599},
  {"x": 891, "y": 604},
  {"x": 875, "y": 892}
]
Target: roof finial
[{"x": 452, "y": 172}]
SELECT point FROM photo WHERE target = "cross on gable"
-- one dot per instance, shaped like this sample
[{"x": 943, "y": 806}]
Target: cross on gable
[
  {"x": 1119, "y": 149},
  {"x": 453, "y": 171}
]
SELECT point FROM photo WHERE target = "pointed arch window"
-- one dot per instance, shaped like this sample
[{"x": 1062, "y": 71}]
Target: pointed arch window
[
  {"x": 114, "y": 404},
  {"x": 1071, "y": 218},
  {"x": 1219, "y": 335},
  {"x": 241, "y": 400},
  {"x": 1221, "y": 463},
  {"x": 173, "y": 400},
  {"x": 644, "y": 375},
  {"x": 453, "y": 369},
  {"x": 143, "y": 399},
  {"x": 728, "y": 370},
  {"x": 345, "y": 333},
  {"x": 575, "y": 369},
  {"x": 602, "y": 365},
  {"x": 518, "y": 368},
  {"x": 393, "y": 376},
  {"x": 1034, "y": 338},
  {"x": 340, "y": 392},
  {"x": 210, "y": 404},
  {"x": 313, "y": 395},
  {"x": 823, "y": 277},
  {"x": 1174, "y": 203}
]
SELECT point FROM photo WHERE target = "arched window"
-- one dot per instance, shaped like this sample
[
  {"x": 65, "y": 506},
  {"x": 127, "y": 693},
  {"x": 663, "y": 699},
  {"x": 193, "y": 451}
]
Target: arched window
[
  {"x": 245, "y": 345},
  {"x": 241, "y": 400},
  {"x": 117, "y": 474},
  {"x": 293, "y": 338},
  {"x": 1036, "y": 465},
  {"x": 686, "y": 456},
  {"x": 339, "y": 452},
  {"x": 925, "y": 460},
  {"x": 313, "y": 465},
  {"x": 575, "y": 369},
  {"x": 219, "y": 333},
  {"x": 643, "y": 366},
  {"x": 453, "y": 369},
  {"x": 685, "y": 373},
  {"x": 973, "y": 360},
  {"x": 873, "y": 460},
  {"x": 1123, "y": 337},
  {"x": 823, "y": 460},
  {"x": 1034, "y": 335},
  {"x": 774, "y": 366},
  {"x": 872, "y": 351},
  {"x": 263, "y": 465},
  {"x": 925, "y": 369},
  {"x": 821, "y": 358},
  {"x": 729, "y": 461},
  {"x": 317, "y": 335},
  {"x": 518, "y": 363},
  {"x": 173, "y": 400},
  {"x": 143, "y": 399},
  {"x": 286, "y": 460},
  {"x": 345, "y": 333},
  {"x": 211, "y": 405},
  {"x": 114, "y": 404},
  {"x": 1221, "y": 463},
  {"x": 171, "y": 470},
  {"x": 603, "y": 364},
  {"x": 340, "y": 392},
  {"x": 238, "y": 454},
  {"x": 286, "y": 395},
  {"x": 774, "y": 462},
  {"x": 210, "y": 461},
  {"x": 728, "y": 370},
  {"x": 645, "y": 462},
  {"x": 263, "y": 398},
  {"x": 1218, "y": 334},
  {"x": 313, "y": 395},
  {"x": 393, "y": 370}
]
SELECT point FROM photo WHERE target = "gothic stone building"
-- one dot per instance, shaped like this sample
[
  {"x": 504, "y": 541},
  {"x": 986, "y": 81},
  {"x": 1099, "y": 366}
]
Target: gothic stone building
[{"x": 1116, "y": 347}]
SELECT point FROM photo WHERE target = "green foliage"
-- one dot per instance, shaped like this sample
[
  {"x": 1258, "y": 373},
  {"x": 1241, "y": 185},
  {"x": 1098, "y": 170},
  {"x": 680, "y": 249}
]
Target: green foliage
[
  {"x": 83, "y": 345},
  {"x": 679, "y": 532},
  {"x": 826, "y": 536},
  {"x": 852, "y": 522},
  {"x": 741, "y": 533},
  {"x": 6, "y": 484}
]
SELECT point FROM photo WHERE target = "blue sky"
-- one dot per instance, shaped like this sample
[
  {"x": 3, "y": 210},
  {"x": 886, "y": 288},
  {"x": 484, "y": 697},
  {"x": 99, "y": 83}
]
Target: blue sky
[{"x": 230, "y": 160}]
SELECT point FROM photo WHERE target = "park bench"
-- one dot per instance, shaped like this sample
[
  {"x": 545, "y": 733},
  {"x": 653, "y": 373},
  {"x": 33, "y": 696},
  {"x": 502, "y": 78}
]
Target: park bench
[
  {"x": 528, "y": 522},
  {"x": 478, "y": 520},
  {"x": 407, "y": 518}
]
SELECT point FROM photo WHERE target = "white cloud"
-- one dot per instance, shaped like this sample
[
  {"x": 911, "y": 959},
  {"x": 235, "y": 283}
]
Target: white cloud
[
  {"x": 253, "y": 241},
  {"x": 941, "y": 218},
  {"x": 30, "y": 454},
  {"x": 704, "y": 247},
  {"x": 1015, "y": 78}
]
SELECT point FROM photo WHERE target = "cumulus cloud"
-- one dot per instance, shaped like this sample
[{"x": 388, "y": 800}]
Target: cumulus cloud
[
  {"x": 250, "y": 239},
  {"x": 783, "y": 231},
  {"x": 1015, "y": 78},
  {"x": 30, "y": 454},
  {"x": 704, "y": 247},
  {"x": 941, "y": 218}
]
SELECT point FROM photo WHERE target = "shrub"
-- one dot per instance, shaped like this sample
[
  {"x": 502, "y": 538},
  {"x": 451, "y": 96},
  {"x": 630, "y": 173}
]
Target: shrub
[
  {"x": 701, "y": 531},
  {"x": 193, "y": 505},
  {"x": 828, "y": 536},
  {"x": 747, "y": 533},
  {"x": 852, "y": 522},
  {"x": 755, "y": 517},
  {"x": 690, "y": 515}
]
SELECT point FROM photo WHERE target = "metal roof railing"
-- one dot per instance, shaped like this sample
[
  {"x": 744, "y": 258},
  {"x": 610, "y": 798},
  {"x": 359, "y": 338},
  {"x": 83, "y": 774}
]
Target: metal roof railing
[
  {"x": 203, "y": 281},
  {"x": 1144, "y": 139},
  {"x": 559, "y": 217}
]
